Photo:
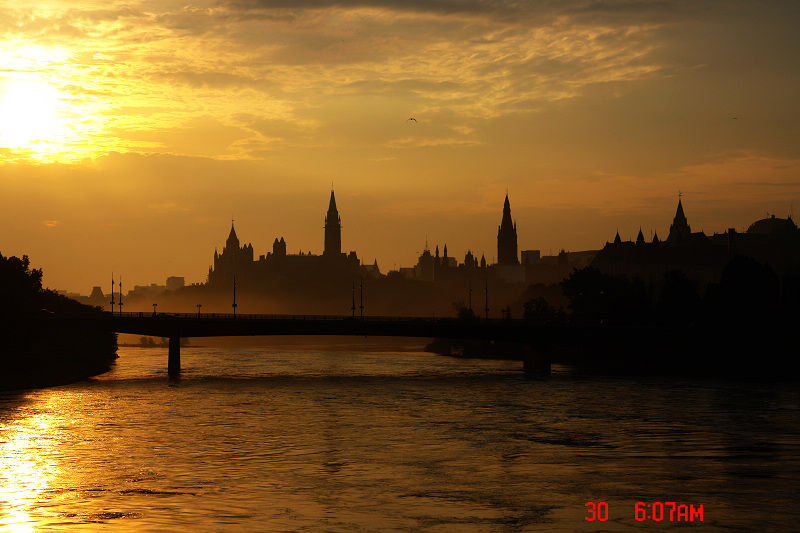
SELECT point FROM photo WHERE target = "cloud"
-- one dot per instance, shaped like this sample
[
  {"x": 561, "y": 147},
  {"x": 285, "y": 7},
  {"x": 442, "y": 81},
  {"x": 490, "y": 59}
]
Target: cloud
[{"x": 51, "y": 223}]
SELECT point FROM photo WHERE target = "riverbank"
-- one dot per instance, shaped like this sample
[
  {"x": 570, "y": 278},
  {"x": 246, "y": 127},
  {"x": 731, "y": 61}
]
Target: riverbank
[
  {"x": 34, "y": 351},
  {"x": 38, "y": 355}
]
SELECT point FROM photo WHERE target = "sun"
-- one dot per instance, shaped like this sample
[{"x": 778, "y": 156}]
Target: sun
[{"x": 29, "y": 116}]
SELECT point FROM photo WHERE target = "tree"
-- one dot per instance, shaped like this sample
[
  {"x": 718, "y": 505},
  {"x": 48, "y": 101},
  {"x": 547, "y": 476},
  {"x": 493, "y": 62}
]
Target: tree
[
  {"x": 679, "y": 302},
  {"x": 748, "y": 292},
  {"x": 20, "y": 286},
  {"x": 598, "y": 298},
  {"x": 538, "y": 311}
]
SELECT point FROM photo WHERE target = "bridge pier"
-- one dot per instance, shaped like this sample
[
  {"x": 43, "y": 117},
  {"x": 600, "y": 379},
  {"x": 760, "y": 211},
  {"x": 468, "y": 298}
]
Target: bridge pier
[
  {"x": 535, "y": 360},
  {"x": 174, "y": 364}
]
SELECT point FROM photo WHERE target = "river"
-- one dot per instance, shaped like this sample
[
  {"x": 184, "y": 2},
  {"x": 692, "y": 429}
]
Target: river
[{"x": 304, "y": 438}]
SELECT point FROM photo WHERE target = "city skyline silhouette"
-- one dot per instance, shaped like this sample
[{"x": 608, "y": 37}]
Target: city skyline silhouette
[{"x": 281, "y": 281}]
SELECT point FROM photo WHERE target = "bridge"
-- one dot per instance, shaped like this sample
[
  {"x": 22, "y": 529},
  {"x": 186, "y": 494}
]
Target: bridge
[{"x": 175, "y": 326}]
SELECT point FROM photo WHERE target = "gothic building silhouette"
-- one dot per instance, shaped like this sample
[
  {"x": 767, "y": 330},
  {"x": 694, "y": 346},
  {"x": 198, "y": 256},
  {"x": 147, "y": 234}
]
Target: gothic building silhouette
[
  {"x": 238, "y": 263},
  {"x": 702, "y": 258}
]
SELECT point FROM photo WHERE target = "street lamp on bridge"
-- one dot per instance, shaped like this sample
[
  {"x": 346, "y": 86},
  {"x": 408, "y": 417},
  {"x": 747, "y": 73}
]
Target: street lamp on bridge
[
  {"x": 198, "y": 309},
  {"x": 112, "y": 294},
  {"x": 361, "y": 288},
  {"x": 154, "y": 309},
  {"x": 234, "y": 296}
]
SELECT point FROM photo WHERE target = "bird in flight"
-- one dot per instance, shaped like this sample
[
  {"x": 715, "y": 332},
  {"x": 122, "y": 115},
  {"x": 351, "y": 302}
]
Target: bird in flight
[{"x": 412, "y": 118}]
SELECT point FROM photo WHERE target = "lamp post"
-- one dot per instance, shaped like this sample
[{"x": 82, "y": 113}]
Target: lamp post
[
  {"x": 154, "y": 309},
  {"x": 198, "y": 309},
  {"x": 112, "y": 294},
  {"x": 120, "y": 296},
  {"x": 234, "y": 296},
  {"x": 486, "y": 292}
]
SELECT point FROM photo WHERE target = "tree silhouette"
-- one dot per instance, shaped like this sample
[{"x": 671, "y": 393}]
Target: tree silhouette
[
  {"x": 598, "y": 298},
  {"x": 748, "y": 293},
  {"x": 538, "y": 311},
  {"x": 679, "y": 301}
]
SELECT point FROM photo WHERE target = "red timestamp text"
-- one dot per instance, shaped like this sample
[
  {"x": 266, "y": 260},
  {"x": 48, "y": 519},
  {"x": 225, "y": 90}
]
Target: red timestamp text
[
  {"x": 596, "y": 511},
  {"x": 668, "y": 511},
  {"x": 656, "y": 511}
]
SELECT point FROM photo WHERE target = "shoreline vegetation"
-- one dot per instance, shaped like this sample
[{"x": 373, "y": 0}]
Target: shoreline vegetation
[
  {"x": 36, "y": 353},
  {"x": 742, "y": 327}
]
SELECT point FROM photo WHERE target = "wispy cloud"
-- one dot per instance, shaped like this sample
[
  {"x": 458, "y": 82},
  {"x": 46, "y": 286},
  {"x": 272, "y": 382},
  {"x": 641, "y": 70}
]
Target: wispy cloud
[{"x": 162, "y": 68}]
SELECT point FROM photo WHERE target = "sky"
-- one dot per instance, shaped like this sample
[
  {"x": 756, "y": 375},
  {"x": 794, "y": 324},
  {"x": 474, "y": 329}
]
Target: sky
[{"x": 132, "y": 133}]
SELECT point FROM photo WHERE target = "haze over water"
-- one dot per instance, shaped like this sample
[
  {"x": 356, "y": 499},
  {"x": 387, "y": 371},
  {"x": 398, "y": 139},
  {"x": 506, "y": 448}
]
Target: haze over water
[{"x": 305, "y": 439}]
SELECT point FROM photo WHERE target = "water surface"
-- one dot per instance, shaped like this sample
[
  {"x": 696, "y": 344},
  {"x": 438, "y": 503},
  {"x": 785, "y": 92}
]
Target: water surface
[{"x": 308, "y": 439}]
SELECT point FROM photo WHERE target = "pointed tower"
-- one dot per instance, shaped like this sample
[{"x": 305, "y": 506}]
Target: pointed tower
[
  {"x": 507, "y": 238},
  {"x": 233, "y": 240},
  {"x": 679, "y": 231},
  {"x": 333, "y": 230},
  {"x": 234, "y": 260}
]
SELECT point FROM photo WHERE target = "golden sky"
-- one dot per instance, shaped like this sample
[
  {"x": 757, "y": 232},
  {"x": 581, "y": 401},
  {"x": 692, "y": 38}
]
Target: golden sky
[{"x": 131, "y": 132}]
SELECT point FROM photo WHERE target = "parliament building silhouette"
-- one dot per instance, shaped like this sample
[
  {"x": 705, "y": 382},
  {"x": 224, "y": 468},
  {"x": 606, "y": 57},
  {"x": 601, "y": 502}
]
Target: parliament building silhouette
[
  {"x": 771, "y": 241},
  {"x": 237, "y": 263}
]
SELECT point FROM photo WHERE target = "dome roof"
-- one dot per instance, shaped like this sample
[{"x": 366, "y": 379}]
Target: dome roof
[{"x": 771, "y": 225}]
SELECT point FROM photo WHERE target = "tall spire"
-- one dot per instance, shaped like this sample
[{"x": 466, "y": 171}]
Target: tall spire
[
  {"x": 507, "y": 238},
  {"x": 679, "y": 215},
  {"x": 332, "y": 205},
  {"x": 680, "y": 230},
  {"x": 333, "y": 229},
  {"x": 232, "y": 238}
]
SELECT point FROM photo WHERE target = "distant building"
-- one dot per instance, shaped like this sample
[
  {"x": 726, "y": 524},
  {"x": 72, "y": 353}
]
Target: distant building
[
  {"x": 96, "y": 297},
  {"x": 146, "y": 291},
  {"x": 372, "y": 270},
  {"x": 175, "y": 283},
  {"x": 424, "y": 269},
  {"x": 530, "y": 257}
]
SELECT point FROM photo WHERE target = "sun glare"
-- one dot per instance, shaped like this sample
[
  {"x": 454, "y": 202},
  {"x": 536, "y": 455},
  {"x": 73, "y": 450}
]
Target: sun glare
[{"x": 28, "y": 115}]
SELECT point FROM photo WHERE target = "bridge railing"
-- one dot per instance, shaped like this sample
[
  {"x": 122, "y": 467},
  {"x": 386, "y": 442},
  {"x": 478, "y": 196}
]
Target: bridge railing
[{"x": 266, "y": 316}]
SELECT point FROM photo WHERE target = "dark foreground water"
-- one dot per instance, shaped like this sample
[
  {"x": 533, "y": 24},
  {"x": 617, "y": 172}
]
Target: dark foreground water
[{"x": 256, "y": 439}]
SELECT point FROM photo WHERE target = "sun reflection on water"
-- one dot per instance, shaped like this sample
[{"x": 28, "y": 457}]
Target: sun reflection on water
[{"x": 26, "y": 468}]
